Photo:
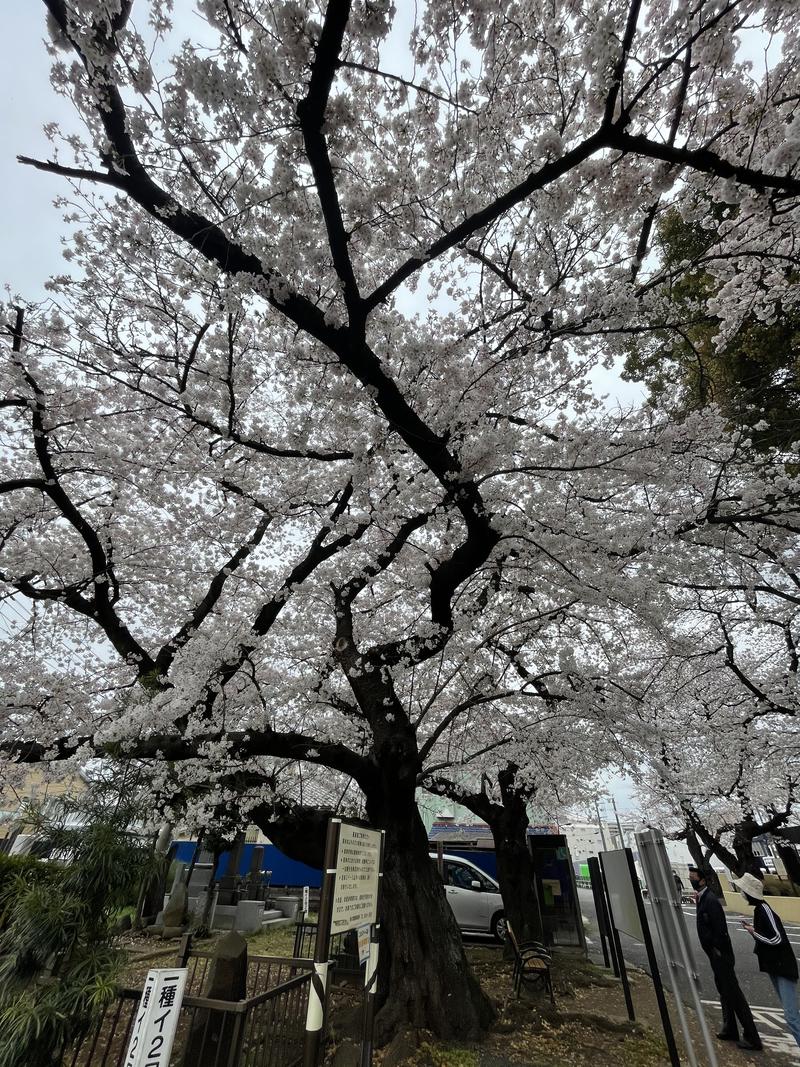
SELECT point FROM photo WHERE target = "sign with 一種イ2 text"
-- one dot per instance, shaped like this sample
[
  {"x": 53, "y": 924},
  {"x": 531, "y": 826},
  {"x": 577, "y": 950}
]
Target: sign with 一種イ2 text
[
  {"x": 355, "y": 894},
  {"x": 156, "y": 1019}
]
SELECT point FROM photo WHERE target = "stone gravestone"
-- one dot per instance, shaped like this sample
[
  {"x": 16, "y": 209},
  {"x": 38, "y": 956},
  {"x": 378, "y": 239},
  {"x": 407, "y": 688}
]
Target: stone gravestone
[
  {"x": 153, "y": 894},
  {"x": 252, "y": 886},
  {"x": 174, "y": 917},
  {"x": 206, "y": 1045},
  {"x": 248, "y": 916},
  {"x": 229, "y": 882},
  {"x": 178, "y": 877},
  {"x": 201, "y": 876}
]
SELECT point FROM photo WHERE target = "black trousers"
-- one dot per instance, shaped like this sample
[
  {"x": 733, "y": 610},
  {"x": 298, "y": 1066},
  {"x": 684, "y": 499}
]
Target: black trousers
[{"x": 732, "y": 999}]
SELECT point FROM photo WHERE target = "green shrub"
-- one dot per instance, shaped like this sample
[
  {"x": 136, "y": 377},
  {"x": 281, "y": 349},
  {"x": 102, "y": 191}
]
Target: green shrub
[
  {"x": 778, "y": 887},
  {"x": 58, "y": 959},
  {"x": 17, "y": 875}
]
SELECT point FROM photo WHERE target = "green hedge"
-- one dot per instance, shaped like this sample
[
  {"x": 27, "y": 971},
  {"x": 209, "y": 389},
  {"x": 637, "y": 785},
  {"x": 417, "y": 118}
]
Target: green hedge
[{"x": 778, "y": 887}]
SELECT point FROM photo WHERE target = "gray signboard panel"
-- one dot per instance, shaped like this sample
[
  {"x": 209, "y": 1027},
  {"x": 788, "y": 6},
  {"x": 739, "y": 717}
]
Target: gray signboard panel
[{"x": 625, "y": 911}]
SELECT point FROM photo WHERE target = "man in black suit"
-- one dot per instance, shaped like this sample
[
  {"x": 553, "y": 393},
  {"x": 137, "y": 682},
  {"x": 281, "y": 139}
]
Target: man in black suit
[{"x": 712, "y": 930}]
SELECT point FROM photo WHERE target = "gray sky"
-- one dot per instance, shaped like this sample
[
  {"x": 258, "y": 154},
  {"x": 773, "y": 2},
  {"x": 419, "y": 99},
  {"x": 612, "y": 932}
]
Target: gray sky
[{"x": 30, "y": 248}]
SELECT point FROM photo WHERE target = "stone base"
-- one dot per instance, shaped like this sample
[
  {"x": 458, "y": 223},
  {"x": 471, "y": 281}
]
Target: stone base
[
  {"x": 290, "y": 906},
  {"x": 173, "y": 931}
]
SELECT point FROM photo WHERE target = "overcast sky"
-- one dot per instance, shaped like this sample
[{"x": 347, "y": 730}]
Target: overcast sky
[{"x": 30, "y": 247}]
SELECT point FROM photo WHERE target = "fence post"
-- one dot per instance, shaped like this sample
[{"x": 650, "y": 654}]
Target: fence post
[
  {"x": 371, "y": 972},
  {"x": 234, "y": 1055},
  {"x": 184, "y": 949},
  {"x": 317, "y": 994}
]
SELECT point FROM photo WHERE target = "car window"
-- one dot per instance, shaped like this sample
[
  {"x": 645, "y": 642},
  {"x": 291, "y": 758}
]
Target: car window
[
  {"x": 486, "y": 885},
  {"x": 457, "y": 875},
  {"x": 462, "y": 877}
]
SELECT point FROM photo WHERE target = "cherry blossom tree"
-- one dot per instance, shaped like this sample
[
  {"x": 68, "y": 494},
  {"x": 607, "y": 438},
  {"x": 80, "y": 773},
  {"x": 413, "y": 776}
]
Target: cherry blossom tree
[
  {"x": 311, "y": 414},
  {"x": 722, "y": 760},
  {"x": 540, "y": 746}
]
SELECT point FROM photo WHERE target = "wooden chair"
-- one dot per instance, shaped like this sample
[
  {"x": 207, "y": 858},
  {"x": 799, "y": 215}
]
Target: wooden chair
[{"x": 531, "y": 965}]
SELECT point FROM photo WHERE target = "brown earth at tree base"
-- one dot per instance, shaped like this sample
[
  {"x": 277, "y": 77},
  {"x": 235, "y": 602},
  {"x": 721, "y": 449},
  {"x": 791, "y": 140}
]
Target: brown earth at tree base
[{"x": 588, "y": 1027}]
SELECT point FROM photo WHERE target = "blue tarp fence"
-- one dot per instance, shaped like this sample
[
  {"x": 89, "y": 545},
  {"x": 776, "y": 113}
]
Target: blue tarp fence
[
  {"x": 291, "y": 873},
  {"x": 284, "y": 871}
]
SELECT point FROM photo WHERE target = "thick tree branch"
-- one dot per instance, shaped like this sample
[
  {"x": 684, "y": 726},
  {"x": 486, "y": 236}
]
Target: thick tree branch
[
  {"x": 311, "y": 113},
  {"x": 702, "y": 159},
  {"x": 539, "y": 179}
]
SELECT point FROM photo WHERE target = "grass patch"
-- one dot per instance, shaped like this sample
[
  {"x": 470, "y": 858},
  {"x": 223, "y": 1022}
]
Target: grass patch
[
  {"x": 272, "y": 941},
  {"x": 447, "y": 1056}
]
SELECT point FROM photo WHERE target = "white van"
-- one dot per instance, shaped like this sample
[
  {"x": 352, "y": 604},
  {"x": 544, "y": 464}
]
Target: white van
[{"x": 473, "y": 896}]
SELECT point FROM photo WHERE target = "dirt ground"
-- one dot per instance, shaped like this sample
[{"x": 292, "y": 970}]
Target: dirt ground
[{"x": 588, "y": 1027}]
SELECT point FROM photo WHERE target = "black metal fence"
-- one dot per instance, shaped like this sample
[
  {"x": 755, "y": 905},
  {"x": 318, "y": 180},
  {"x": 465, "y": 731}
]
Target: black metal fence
[
  {"x": 343, "y": 952},
  {"x": 266, "y": 1029}
]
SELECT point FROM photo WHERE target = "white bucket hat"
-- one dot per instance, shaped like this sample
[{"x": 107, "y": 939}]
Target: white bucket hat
[{"x": 751, "y": 885}]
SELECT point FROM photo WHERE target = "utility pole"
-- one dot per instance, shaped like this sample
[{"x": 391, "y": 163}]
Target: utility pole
[
  {"x": 600, "y": 826},
  {"x": 619, "y": 824}
]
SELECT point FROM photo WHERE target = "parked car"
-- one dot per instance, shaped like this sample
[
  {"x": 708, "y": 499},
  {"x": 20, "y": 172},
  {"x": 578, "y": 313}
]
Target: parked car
[{"x": 474, "y": 897}]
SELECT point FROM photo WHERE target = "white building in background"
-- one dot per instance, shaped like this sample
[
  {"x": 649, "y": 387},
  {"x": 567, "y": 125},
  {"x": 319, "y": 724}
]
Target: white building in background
[{"x": 585, "y": 839}]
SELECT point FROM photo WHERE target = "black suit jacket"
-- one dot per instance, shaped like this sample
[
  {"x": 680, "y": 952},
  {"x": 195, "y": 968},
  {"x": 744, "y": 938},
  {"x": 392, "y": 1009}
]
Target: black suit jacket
[{"x": 712, "y": 927}]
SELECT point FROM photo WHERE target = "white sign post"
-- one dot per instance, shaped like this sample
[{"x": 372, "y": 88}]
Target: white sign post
[
  {"x": 156, "y": 1019},
  {"x": 349, "y": 901},
  {"x": 628, "y": 915},
  {"x": 355, "y": 894},
  {"x": 306, "y": 900}
]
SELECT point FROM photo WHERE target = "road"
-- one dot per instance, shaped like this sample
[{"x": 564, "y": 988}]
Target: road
[{"x": 756, "y": 986}]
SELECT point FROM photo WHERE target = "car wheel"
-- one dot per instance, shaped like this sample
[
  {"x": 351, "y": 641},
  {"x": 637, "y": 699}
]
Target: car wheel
[{"x": 499, "y": 929}]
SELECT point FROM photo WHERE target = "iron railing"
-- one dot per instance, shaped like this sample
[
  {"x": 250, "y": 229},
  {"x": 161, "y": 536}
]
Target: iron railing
[
  {"x": 343, "y": 952},
  {"x": 266, "y": 1029}
]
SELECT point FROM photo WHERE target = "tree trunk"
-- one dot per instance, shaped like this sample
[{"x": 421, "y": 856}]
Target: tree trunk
[
  {"x": 425, "y": 979},
  {"x": 198, "y": 848},
  {"x": 743, "y": 836},
  {"x": 204, "y": 926},
  {"x": 508, "y": 821},
  {"x": 298, "y": 831},
  {"x": 702, "y": 860},
  {"x": 151, "y": 898},
  {"x": 515, "y": 872},
  {"x": 791, "y": 861}
]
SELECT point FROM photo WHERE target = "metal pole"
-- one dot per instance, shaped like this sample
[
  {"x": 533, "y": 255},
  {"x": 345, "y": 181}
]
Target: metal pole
[
  {"x": 655, "y": 974},
  {"x": 662, "y": 901},
  {"x": 619, "y": 824},
  {"x": 623, "y": 970},
  {"x": 660, "y": 853},
  {"x": 315, "y": 1017},
  {"x": 603, "y": 924},
  {"x": 618, "y": 950},
  {"x": 578, "y": 917},
  {"x": 371, "y": 973},
  {"x": 600, "y": 825}
]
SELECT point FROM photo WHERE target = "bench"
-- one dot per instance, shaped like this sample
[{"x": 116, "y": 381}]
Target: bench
[{"x": 531, "y": 965}]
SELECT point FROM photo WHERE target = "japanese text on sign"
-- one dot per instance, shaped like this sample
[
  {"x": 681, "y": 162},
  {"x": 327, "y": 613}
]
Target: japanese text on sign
[
  {"x": 355, "y": 895},
  {"x": 156, "y": 1019}
]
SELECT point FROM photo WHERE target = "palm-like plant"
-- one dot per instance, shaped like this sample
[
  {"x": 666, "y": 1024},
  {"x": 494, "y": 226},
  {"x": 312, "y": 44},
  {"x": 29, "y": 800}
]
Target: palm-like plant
[{"x": 59, "y": 961}]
